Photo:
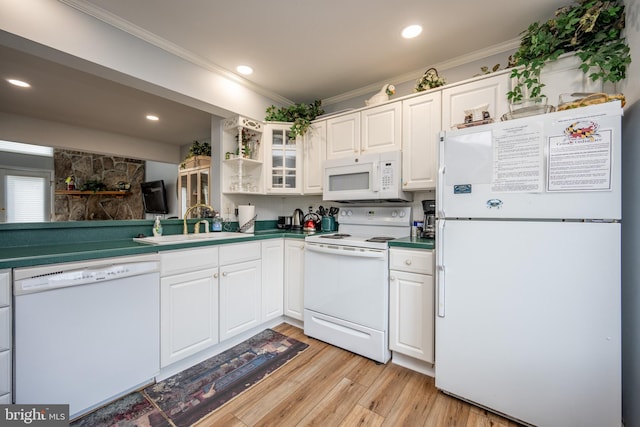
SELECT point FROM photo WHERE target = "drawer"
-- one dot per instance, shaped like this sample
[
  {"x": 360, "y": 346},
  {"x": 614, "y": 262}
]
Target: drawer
[
  {"x": 5, "y": 288},
  {"x": 239, "y": 252},
  {"x": 414, "y": 261},
  {"x": 187, "y": 260},
  {"x": 5, "y": 328},
  {"x": 5, "y": 372}
]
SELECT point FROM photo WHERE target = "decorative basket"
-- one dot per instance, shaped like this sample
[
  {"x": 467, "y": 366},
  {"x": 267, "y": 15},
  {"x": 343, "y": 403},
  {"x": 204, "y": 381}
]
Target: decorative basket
[{"x": 196, "y": 162}]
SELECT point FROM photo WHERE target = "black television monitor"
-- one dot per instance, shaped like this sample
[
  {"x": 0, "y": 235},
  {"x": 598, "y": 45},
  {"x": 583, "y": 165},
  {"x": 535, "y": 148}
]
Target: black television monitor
[{"x": 154, "y": 197}]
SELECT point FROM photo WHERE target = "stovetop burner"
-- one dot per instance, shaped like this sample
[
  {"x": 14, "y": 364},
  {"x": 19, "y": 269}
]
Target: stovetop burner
[
  {"x": 335, "y": 236},
  {"x": 380, "y": 239}
]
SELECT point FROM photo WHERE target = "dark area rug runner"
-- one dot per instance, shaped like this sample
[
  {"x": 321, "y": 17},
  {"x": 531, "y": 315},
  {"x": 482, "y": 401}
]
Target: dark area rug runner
[{"x": 190, "y": 395}]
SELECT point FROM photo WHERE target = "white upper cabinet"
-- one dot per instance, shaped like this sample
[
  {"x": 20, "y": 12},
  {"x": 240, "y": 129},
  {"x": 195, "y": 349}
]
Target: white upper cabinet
[
  {"x": 491, "y": 90},
  {"x": 315, "y": 152},
  {"x": 421, "y": 120},
  {"x": 343, "y": 135},
  {"x": 283, "y": 160},
  {"x": 374, "y": 129},
  {"x": 381, "y": 128}
]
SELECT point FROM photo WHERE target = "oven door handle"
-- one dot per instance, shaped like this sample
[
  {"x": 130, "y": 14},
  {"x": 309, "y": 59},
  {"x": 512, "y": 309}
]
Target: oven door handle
[{"x": 345, "y": 251}]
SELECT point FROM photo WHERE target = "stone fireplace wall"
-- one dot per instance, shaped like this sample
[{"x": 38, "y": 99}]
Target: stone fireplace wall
[{"x": 110, "y": 171}]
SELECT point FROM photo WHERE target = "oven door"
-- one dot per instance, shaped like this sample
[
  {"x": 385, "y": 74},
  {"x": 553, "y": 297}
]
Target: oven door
[
  {"x": 347, "y": 283},
  {"x": 351, "y": 179}
]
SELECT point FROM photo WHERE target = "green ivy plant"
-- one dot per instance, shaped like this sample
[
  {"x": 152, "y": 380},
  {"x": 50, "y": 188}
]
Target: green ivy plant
[
  {"x": 197, "y": 149},
  {"x": 590, "y": 28},
  {"x": 300, "y": 115}
]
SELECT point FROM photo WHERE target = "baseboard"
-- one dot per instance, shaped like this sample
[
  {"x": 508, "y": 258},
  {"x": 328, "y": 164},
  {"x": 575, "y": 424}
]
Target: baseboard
[{"x": 413, "y": 364}]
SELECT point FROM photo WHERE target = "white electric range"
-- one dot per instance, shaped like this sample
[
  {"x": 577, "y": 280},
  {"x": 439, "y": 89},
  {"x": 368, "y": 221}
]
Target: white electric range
[{"x": 346, "y": 292}]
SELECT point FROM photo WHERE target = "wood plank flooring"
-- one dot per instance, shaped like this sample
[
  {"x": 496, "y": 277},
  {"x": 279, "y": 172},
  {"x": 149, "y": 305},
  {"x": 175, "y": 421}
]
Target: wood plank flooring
[{"x": 327, "y": 386}]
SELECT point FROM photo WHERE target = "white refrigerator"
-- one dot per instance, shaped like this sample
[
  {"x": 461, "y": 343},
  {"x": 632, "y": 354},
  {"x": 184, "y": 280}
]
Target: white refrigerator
[{"x": 528, "y": 267}]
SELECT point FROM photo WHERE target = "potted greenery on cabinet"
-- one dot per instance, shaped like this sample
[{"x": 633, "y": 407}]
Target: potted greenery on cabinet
[
  {"x": 589, "y": 28},
  {"x": 199, "y": 155},
  {"x": 300, "y": 115}
]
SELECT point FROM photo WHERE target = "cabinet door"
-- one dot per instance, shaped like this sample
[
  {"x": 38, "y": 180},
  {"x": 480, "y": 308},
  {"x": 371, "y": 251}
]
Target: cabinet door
[
  {"x": 381, "y": 128},
  {"x": 411, "y": 315},
  {"x": 343, "y": 135},
  {"x": 6, "y": 338},
  {"x": 193, "y": 188},
  {"x": 272, "y": 279},
  {"x": 315, "y": 152},
  {"x": 294, "y": 279},
  {"x": 491, "y": 90},
  {"x": 421, "y": 120},
  {"x": 240, "y": 298},
  {"x": 188, "y": 315},
  {"x": 284, "y": 160}
]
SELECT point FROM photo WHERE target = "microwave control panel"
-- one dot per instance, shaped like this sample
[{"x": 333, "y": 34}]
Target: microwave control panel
[{"x": 386, "y": 176}]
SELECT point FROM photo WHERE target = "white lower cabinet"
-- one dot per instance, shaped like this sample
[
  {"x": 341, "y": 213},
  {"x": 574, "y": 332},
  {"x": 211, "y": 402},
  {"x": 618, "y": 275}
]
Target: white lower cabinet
[
  {"x": 411, "y": 303},
  {"x": 240, "y": 288},
  {"x": 294, "y": 278},
  {"x": 272, "y": 279},
  {"x": 5, "y": 337},
  {"x": 188, "y": 303}
]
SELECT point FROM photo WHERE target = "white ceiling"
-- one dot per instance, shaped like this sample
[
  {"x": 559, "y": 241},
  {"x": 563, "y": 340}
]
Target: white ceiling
[{"x": 301, "y": 50}]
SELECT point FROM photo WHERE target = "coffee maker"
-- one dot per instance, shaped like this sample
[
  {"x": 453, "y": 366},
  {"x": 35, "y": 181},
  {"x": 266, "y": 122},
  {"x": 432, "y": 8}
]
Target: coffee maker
[{"x": 429, "y": 230}]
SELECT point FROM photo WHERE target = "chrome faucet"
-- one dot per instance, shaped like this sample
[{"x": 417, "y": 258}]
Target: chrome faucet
[{"x": 185, "y": 230}]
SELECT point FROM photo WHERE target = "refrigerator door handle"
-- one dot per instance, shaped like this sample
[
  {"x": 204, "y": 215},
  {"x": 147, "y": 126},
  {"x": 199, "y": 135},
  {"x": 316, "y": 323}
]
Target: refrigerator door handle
[
  {"x": 440, "y": 268},
  {"x": 440, "y": 177}
]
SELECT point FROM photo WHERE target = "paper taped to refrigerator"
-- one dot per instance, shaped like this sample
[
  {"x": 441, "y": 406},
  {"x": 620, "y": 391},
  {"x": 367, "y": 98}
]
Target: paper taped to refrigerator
[
  {"x": 580, "y": 160},
  {"x": 518, "y": 159}
]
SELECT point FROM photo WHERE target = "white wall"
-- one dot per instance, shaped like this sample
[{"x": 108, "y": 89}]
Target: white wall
[
  {"x": 59, "y": 135},
  {"x": 69, "y": 31},
  {"x": 631, "y": 225}
]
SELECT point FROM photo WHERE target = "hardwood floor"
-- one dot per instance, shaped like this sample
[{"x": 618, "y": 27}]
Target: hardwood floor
[{"x": 327, "y": 386}]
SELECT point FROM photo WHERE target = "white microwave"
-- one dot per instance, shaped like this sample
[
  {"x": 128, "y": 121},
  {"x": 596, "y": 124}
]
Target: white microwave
[{"x": 369, "y": 177}]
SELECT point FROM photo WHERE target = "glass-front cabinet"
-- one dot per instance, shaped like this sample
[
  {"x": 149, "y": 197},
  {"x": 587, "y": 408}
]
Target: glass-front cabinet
[
  {"x": 193, "y": 187},
  {"x": 284, "y": 160}
]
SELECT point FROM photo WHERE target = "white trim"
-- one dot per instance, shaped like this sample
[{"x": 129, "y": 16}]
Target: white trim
[
  {"x": 151, "y": 38},
  {"x": 413, "y": 75}
]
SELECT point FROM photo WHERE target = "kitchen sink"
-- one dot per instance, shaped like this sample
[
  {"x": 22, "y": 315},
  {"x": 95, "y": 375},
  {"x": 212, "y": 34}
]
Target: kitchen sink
[{"x": 189, "y": 238}]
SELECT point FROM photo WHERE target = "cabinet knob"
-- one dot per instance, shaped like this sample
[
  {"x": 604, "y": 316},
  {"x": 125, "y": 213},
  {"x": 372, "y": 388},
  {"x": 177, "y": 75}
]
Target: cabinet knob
[
  {"x": 408, "y": 262},
  {"x": 224, "y": 274},
  {"x": 215, "y": 275},
  {"x": 392, "y": 278}
]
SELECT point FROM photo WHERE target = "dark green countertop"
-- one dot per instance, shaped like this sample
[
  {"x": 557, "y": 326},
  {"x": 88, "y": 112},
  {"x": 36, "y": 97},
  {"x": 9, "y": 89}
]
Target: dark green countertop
[
  {"x": 52, "y": 253},
  {"x": 26, "y": 246},
  {"x": 413, "y": 242}
]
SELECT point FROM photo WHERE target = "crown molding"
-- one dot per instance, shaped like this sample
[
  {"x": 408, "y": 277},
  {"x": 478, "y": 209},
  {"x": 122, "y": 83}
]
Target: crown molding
[
  {"x": 476, "y": 55},
  {"x": 151, "y": 38}
]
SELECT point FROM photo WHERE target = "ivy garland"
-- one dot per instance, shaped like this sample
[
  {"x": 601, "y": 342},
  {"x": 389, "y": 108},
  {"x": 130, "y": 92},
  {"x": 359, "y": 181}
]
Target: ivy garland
[
  {"x": 590, "y": 28},
  {"x": 300, "y": 115}
]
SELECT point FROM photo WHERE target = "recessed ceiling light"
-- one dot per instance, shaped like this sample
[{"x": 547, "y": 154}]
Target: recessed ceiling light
[
  {"x": 152, "y": 117},
  {"x": 19, "y": 83},
  {"x": 244, "y": 69},
  {"x": 411, "y": 31}
]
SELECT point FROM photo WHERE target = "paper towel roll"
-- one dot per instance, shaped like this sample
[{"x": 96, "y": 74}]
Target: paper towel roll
[{"x": 246, "y": 218}]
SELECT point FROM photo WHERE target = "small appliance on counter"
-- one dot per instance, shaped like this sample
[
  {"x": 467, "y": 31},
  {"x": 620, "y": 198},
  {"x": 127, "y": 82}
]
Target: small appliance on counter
[
  {"x": 429, "y": 230},
  {"x": 285, "y": 222},
  {"x": 297, "y": 220}
]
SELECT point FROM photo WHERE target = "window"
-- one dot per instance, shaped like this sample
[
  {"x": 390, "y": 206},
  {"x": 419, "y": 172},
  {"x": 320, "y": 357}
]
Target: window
[{"x": 25, "y": 196}]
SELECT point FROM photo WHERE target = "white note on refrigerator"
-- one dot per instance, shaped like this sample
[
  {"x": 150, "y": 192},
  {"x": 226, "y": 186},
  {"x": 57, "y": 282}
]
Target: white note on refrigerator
[
  {"x": 518, "y": 159},
  {"x": 580, "y": 160}
]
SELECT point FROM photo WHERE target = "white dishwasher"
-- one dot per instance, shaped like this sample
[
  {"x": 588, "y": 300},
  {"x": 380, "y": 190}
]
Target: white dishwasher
[{"x": 86, "y": 332}]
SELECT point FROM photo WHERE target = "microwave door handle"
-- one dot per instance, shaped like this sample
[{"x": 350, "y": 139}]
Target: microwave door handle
[{"x": 375, "y": 187}]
